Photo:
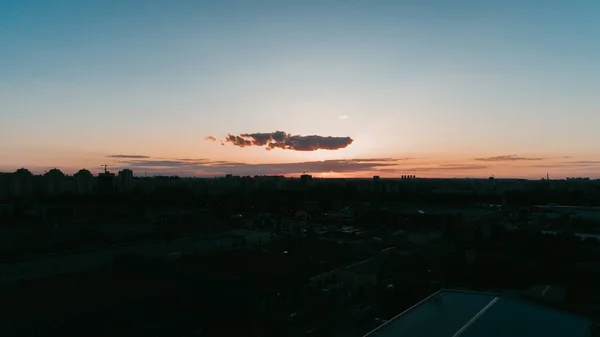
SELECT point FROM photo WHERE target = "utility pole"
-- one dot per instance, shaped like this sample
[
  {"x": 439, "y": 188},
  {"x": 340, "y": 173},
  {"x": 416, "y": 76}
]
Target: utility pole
[{"x": 105, "y": 168}]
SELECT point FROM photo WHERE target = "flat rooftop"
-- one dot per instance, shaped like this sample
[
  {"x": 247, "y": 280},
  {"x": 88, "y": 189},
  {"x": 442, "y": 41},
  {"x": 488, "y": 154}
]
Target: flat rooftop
[{"x": 454, "y": 313}]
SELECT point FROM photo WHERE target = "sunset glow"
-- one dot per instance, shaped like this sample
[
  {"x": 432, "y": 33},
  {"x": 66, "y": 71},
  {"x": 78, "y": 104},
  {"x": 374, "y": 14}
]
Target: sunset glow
[{"x": 500, "y": 89}]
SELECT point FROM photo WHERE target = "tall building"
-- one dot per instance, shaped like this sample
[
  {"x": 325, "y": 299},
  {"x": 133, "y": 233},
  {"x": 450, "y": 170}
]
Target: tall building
[
  {"x": 53, "y": 181},
  {"x": 306, "y": 180},
  {"x": 247, "y": 184},
  {"x": 126, "y": 180},
  {"x": 376, "y": 184},
  {"x": 22, "y": 183},
  {"x": 5, "y": 179},
  {"x": 84, "y": 181},
  {"x": 106, "y": 182}
]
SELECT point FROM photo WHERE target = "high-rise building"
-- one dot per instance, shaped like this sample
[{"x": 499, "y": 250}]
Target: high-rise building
[
  {"x": 22, "y": 183},
  {"x": 376, "y": 184},
  {"x": 126, "y": 180},
  {"x": 106, "y": 182},
  {"x": 53, "y": 181},
  {"x": 306, "y": 180},
  {"x": 84, "y": 181},
  {"x": 5, "y": 179}
]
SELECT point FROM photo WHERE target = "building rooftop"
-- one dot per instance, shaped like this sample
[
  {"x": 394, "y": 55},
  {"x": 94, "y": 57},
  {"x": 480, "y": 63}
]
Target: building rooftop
[{"x": 453, "y": 313}]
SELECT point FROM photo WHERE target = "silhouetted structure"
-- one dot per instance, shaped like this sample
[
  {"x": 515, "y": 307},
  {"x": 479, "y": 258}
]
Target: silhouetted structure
[
  {"x": 106, "y": 182},
  {"x": 306, "y": 180},
  {"x": 53, "y": 181},
  {"x": 5, "y": 179},
  {"x": 125, "y": 181},
  {"x": 84, "y": 181},
  {"x": 376, "y": 187},
  {"x": 22, "y": 183}
]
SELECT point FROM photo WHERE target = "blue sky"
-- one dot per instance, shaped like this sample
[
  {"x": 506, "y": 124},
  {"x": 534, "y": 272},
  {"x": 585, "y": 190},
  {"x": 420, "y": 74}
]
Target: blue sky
[{"x": 442, "y": 80}]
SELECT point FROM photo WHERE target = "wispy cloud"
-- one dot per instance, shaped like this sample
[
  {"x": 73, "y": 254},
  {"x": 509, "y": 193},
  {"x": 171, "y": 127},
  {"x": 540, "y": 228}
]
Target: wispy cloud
[
  {"x": 507, "y": 158},
  {"x": 206, "y": 166},
  {"x": 570, "y": 164},
  {"x": 343, "y": 117},
  {"x": 210, "y": 138},
  {"x": 129, "y": 156}
]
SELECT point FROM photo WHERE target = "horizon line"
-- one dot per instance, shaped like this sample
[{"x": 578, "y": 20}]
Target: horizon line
[{"x": 299, "y": 175}]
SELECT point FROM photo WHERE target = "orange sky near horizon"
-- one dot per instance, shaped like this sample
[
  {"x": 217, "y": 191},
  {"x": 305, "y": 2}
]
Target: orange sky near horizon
[{"x": 321, "y": 163}]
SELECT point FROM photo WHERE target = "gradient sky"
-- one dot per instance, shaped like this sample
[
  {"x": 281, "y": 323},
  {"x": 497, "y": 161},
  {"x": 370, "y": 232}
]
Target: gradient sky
[{"x": 444, "y": 88}]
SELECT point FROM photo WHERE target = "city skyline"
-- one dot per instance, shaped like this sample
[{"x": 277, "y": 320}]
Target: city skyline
[
  {"x": 356, "y": 89},
  {"x": 344, "y": 168}
]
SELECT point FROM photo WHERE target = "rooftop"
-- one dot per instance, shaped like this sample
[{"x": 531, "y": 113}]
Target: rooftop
[{"x": 453, "y": 313}]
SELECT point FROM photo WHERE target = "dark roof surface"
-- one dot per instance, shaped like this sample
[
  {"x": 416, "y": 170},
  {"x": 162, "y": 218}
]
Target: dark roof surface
[{"x": 473, "y": 314}]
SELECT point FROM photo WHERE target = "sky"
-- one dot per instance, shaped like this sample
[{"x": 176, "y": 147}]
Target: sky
[{"x": 336, "y": 88}]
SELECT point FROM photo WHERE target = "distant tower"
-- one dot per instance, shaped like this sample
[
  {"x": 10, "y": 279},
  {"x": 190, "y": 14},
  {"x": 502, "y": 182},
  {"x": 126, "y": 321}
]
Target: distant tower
[
  {"x": 22, "y": 183},
  {"x": 4, "y": 185},
  {"x": 84, "y": 181},
  {"x": 126, "y": 180},
  {"x": 106, "y": 182},
  {"x": 54, "y": 182},
  {"x": 375, "y": 185},
  {"x": 306, "y": 180}
]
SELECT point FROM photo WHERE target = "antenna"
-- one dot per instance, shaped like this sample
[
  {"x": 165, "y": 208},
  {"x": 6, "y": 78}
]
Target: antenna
[{"x": 105, "y": 168}]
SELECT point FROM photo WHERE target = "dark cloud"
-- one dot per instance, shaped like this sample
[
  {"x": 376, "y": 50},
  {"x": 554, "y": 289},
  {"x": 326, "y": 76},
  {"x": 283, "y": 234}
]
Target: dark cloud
[
  {"x": 446, "y": 167},
  {"x": 584, "y": 162},
  {"x": 286, "y": 141},
  {"x": 548, "y": 166},
  {"x": 506, "y": 158},
  {"x": 161, "y": 163},
  {"x": 381, "y": 159},
  {"x": 186, "y": 167},
  {"x": 130, "y": 156},
  {"x": 210, "y": 138}
]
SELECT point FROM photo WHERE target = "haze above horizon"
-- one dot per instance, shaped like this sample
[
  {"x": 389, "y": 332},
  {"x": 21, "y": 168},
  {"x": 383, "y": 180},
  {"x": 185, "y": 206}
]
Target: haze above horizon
[{"x": 331, "y": 88}]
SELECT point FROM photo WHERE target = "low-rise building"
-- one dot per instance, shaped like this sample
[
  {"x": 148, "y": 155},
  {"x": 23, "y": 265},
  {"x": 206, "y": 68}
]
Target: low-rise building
[{"x": 471, "y": 314}]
